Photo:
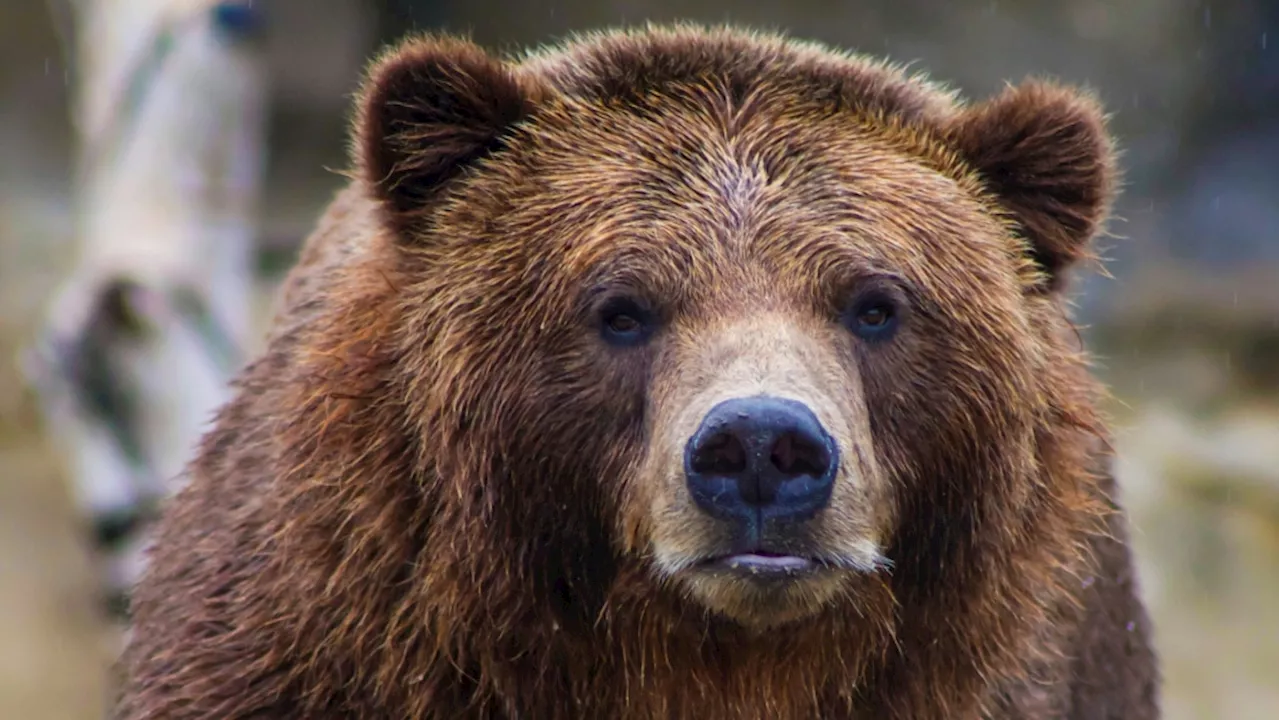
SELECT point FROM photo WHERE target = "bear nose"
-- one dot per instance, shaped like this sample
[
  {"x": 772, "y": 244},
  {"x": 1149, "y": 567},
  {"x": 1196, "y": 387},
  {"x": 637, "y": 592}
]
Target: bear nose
[{"x": 762, "y": 457}]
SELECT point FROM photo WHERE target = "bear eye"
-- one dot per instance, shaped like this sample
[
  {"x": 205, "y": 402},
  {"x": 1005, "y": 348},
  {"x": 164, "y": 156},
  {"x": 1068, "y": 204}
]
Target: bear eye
[
  {"x": 625, "y": 322},
  {"x": 873, "y": 317}
]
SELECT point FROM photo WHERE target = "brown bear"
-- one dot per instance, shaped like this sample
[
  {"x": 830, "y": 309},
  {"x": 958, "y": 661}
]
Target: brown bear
[{"x": 669, "y": 373}]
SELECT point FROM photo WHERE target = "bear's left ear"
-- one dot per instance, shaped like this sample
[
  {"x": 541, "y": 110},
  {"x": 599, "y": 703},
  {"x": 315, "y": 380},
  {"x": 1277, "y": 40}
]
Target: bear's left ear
[
  {"x": 428, "y": 109},
  {"x": 1044, "y": 151}
]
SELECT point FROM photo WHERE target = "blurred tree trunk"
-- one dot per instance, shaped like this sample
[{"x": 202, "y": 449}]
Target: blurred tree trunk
[{"x": 152, "y": 321}]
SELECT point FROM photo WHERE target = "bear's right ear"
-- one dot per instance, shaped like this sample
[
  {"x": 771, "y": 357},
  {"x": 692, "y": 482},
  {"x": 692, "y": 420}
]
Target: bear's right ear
[
  {"x": 1044, "y": 151},
  {"x": 428, "y": 108}
]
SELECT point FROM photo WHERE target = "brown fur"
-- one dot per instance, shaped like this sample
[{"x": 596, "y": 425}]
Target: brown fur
[{"x": 439, "y": 495}]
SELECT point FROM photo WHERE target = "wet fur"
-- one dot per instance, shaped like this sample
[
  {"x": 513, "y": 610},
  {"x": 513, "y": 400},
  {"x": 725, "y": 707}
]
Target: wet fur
[{"x": 428, "y": 498}]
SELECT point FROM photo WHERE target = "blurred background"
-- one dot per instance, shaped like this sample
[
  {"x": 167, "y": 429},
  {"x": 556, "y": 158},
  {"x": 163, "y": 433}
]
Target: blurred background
[{"x": 161, "y": 160}]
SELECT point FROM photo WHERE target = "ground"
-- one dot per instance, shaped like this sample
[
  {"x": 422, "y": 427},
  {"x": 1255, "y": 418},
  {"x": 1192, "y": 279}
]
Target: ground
[{"x": 54, "y": 649}]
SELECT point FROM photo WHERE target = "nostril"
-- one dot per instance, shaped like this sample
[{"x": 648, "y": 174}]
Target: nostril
[
  {"x": 720, "y": 454},
  {"x": 793, "y": 455}
]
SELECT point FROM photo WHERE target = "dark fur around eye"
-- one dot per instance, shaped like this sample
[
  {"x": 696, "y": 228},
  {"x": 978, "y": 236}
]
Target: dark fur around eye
[
  {"x": 625, "y": 322},
  {"x": 875, "y": 314}
]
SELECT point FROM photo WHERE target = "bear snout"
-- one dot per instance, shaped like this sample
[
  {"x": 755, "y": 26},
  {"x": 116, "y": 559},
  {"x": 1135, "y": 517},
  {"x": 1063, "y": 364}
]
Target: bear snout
[{"x": 761, "y": 460}]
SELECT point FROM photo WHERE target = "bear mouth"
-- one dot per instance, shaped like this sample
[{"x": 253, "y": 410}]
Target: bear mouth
[{"x": 762, "y": 564}]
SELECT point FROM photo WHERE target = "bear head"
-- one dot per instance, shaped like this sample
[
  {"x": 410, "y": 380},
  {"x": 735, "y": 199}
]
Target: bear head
[{"x": 727, "y": 321}]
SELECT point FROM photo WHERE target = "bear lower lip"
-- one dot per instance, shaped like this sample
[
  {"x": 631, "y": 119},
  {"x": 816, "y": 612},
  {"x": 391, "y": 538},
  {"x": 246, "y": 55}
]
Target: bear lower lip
[{"x": 763, "y": 563}]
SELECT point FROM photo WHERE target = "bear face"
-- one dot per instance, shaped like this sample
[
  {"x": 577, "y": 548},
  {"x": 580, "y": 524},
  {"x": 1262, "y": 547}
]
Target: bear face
[{"x": 766, "y": 320}]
